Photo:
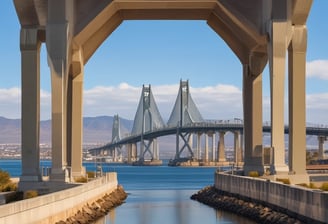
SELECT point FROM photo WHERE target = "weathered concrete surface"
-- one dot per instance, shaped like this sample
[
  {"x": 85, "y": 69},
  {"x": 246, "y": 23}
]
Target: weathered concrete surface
[
  {"x": 291, "y": 198},
  {"x": 57, "y": 206}
]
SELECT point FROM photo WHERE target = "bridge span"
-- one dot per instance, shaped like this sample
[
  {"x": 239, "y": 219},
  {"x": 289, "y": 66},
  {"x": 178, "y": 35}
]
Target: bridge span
[{"x": 185, "y": 121}]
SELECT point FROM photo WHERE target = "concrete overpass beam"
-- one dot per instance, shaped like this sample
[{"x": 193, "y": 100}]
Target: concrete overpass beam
[
  {"x": 297, "y": 119},
  {"x": 30, "y": 57}
]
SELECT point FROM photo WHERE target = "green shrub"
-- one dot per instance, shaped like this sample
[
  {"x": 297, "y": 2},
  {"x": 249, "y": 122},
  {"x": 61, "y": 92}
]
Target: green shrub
[
  {"x": 312, "y": 186},
  {"x": 90, "y": 174},
  {"x": 81, "y": 179},
  {"x": 8, "y": 187},
  {"x": 283, "y": 180},
  {"x": 253, "y": 174},
  {"x": 4, "y": 177},
  {"x": 303, "y": 185},
  {"x": 5, "y": 183},
  {"x": 30, "y": 194},
  {"x": 324, "y": 187}
]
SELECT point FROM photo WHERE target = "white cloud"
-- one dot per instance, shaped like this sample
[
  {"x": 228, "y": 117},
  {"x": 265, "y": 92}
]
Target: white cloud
[
  {"x": 318, "y": 69},
  {"x": 214, "y": 102},
  {"x": 10, "y": 102}
]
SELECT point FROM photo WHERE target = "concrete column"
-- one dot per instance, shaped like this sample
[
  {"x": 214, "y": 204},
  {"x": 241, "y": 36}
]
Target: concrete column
[
  {"x": 213, "y": 147},
  {"x": 30, "y": 75},
  {"x": 129, "y": 149},
  {"x": 297, "y": 119},
  {"x": 277, "y": 59},
  {"x": 57, "y": 46},
  {"x": 321, "y": 142},
  {"x": 191, "y": 141},
  {"x": 237, "y": 147},
  {"x": 75, "y": 116},
  {"x": 177, "y": 144},
  {"x": 206, "y": 147},
  {"x": 134, "y": 151},
  {"x": 155, "y": 149},
  {"x": 241, "y": 148},
  {"x": 222, "y": 157},
  {"x": 252, "y": 103},
  {"x": 198, "y": 146}
]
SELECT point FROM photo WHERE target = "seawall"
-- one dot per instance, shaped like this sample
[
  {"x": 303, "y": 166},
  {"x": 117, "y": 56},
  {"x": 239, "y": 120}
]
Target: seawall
[
  {"x": 296, "y": 201},
  {"x": 60, "y": 205}
]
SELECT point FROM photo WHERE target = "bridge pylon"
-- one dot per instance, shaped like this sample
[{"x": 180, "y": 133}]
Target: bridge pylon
[
  {"x": 147, "y": 119},
  {"x": 116, "y": 136},
  {"x": 184, "y": 113}
]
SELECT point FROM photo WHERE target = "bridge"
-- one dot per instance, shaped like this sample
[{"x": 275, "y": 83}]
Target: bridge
[
  {"x": 257, "y": 32},
  {"x": 184, "y": 121}
]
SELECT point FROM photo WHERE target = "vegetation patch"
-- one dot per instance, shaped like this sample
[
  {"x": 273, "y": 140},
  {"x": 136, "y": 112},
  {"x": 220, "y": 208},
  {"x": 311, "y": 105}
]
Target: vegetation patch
[
  {"x": 253, "y": 174},
  {"x": 30, "y": 194},
  {"x": 324, "y": 187},
  {"x": 283, "y": 180},
  {"x": 5, "y": 183},
  {"x": 90, "y": 174},
  {"x": 81, "y": 179}
]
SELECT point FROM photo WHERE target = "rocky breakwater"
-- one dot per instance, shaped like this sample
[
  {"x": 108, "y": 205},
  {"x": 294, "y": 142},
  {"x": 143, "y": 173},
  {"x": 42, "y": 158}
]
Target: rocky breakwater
[
  {"x": 89, "y": 213},
  {"x": 253, "y": 210}
]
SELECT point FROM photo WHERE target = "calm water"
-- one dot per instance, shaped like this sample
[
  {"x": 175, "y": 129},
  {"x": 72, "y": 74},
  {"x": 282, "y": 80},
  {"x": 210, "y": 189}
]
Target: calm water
[{"x": 157, "y": 195}]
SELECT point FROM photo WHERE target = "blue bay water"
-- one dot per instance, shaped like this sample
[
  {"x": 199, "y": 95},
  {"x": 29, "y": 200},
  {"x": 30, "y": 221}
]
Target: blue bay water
[{"x": 156, "y": 194}]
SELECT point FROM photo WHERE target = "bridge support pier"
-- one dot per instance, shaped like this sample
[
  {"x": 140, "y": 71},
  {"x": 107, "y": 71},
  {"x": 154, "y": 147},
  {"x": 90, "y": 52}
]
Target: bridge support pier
[
  {"x": 297, "y": 119},
  {"x": 198, "y": 152},
  {"x": 213, "y": 147},
  {"x": 252, "y": 102},
  {"x": 75, "y": 116},
  {"x": 221, "y": 156},
  {"x": 237, "y": 148},
  {"x": 206, "y": 147},
  {"x": 277, "y": 59},
  {"x": 321, "y": 141},
  {"x": 30, "y": 60}
]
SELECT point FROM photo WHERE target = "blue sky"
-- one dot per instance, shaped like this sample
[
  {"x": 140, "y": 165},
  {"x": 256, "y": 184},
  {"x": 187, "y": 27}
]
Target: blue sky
[{"x": 161, "y": 53}]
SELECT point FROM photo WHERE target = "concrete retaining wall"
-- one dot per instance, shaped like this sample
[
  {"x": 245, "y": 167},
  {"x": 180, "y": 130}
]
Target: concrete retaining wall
[
  {"x": 305, "y": 202},
  {"x": 57, "y": 206}
]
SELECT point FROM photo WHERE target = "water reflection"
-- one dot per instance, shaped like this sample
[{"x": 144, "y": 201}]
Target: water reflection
[{"x": 167, "y": 207}]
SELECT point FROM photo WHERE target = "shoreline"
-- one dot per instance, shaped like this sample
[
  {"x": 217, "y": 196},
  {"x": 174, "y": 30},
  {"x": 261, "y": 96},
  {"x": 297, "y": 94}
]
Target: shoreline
[
  {"x": 99, "y": 208},
  {"x": 252, "y": 209}
]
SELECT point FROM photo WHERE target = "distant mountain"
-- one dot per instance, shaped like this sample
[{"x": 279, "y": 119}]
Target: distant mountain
[
  {"x": 99, "y": 130},
  {"x": 95, "y": 129}
]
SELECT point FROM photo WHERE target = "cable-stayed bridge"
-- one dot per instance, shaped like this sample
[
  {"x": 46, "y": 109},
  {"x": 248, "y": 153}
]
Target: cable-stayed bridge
[{"x": 185, "y": 121}]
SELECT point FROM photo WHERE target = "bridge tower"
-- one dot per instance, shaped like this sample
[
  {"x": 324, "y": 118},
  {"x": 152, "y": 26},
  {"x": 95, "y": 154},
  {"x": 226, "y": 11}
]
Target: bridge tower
[
  {"x": 147, "y": 119},
  {"x": 116, "y": 136},
  {"x": 184, "y": 113}
]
